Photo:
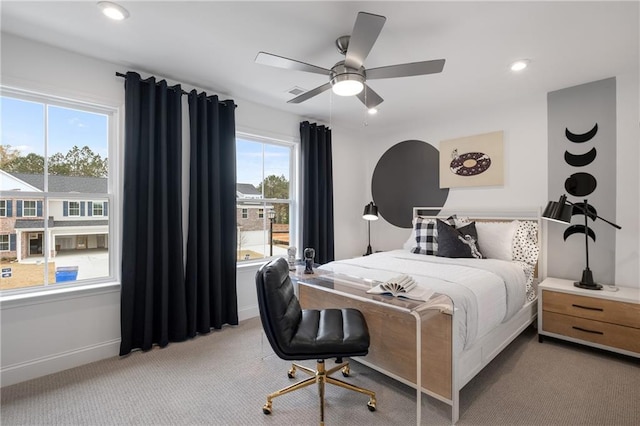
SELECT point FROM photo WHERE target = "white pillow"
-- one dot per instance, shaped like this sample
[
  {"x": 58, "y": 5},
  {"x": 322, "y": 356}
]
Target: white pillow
[{"x": 495, "y": 239}]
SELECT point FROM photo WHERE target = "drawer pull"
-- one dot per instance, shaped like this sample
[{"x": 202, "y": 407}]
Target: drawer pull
[
  {"x": 587, "y": 307},
  {"x": 587, "y": 331}
]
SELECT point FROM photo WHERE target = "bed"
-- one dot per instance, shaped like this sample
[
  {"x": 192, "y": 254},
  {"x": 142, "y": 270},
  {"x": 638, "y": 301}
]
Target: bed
[{"x": 494, "y": 296}]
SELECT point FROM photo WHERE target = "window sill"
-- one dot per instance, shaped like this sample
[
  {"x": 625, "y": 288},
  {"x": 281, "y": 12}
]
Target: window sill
[{"x": 58, "y": 294}]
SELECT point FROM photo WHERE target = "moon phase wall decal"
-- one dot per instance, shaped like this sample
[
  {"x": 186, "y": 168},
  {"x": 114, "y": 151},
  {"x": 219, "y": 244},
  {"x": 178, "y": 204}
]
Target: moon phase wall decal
[
  {"x": 580, "y": 160},
  {"x": 581, "y": 137},
  {"x": 407, "y": 176},
  {"x": 580, "y": 184},
  {"x": 579, "y": 229},
  {"x": 591, "y": 211}
]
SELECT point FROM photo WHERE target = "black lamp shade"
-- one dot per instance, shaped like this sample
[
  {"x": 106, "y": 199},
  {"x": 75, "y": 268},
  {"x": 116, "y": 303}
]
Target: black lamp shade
[
  {"x": 370, "y": 212},
  {"x": 558, "y": 211}
]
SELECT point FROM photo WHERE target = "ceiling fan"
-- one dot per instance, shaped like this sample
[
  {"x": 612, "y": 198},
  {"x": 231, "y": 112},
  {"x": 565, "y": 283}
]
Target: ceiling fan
[{"x": 348, "y": 77}]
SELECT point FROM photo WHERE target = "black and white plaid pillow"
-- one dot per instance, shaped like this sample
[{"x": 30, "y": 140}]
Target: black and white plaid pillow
[{"x": 427, "y": 235}]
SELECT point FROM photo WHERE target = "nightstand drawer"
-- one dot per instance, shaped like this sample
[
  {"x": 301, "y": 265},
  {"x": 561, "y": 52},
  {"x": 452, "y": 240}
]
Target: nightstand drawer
[
  {"x": 627, "y": 314},
  {"x": 603, "y": 333}
]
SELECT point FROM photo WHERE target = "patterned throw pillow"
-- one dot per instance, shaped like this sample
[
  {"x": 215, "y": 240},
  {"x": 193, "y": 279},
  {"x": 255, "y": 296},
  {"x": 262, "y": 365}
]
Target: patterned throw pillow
[
  {"x": 525, "y": 243},
  {"x": 525, "y": 250},
  {"x": 426, "y": 239},
  {"x": 461, "y": 242}
]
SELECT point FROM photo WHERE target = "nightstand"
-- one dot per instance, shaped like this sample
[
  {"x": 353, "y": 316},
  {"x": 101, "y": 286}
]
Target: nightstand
[{"x": 600, "y": 318}]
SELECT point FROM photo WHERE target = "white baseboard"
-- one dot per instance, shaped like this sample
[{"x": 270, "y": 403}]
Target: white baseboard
[
  {"x": 35, "y": 368},
  {"x": 248, "y": 313}
]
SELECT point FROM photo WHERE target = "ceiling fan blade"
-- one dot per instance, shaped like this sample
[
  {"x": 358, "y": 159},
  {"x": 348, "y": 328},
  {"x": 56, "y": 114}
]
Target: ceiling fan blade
[
  {"x": 369, "y": 98},
  {"x": 364, "y": 35},
  {"x": 310, "y": 94},
  {"x": 290, "y": 64},
  {"x": 406, "y": 70}
]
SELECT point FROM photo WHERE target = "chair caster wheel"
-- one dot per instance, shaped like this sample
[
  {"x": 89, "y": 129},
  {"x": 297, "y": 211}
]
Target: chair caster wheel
[
  {"x": 291, "y": 373},
  {"x": 346, "y": 371},
  {"x": 371, "y": 406},
  {"x": 266, "y": 409}
]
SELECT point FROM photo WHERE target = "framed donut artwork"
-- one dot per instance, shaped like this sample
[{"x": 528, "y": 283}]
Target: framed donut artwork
[{"x": 472, "y": 161}]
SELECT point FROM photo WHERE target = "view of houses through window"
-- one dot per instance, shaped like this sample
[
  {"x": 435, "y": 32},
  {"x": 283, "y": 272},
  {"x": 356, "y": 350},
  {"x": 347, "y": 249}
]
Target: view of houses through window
[
  {"x": 264, "y": 197},
  {"x": 54, "y": 195}
]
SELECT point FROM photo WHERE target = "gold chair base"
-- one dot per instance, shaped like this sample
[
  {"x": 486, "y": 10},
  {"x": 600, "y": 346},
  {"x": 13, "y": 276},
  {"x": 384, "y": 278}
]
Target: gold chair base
[{"x": 320, "y": 376}]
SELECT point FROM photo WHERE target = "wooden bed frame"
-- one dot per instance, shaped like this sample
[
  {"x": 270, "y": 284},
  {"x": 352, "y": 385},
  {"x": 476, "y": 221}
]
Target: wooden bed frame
[{"x": 392, "y": 350}]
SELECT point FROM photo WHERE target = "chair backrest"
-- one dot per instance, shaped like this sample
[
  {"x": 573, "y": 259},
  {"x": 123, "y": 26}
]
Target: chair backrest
[{"x": 280, "y": 311}]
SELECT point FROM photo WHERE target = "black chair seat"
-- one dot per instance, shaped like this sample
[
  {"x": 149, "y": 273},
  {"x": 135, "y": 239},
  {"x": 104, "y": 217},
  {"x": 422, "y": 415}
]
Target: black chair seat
[{"x": 329, "y": 333}]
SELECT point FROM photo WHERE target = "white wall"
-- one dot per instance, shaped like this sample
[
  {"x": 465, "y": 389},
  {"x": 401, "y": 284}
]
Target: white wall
[{"x": 524, "y": 123}]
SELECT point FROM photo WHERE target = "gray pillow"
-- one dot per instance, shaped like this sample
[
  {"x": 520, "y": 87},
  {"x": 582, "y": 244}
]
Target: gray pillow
[{"x": 461, "y": 242}]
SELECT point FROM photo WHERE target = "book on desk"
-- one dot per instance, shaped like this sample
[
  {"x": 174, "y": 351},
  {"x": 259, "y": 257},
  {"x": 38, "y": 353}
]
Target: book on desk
[{"x": 402, "y": 286}]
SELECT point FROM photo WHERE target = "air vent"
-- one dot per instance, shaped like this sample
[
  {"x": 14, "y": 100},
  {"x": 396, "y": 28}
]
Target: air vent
[{"x": 295, "y": 90}]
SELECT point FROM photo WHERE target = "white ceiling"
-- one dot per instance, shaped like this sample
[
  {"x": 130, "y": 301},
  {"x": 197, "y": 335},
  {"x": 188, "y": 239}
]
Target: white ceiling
[{"x": 213, "y": 45}]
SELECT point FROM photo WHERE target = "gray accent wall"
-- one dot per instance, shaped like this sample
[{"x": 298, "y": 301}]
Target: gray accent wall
[{"x": 573, "y": 114}]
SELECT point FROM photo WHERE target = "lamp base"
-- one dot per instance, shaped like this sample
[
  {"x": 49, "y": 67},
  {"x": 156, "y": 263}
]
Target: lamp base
[
  {"x": 587, "y": 281},
  {"x": 593, "y": 286}
]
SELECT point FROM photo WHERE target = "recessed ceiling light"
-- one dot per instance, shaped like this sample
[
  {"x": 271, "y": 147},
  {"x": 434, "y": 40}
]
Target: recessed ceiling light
[
  {"x": 372, "y": 111},
  {"x": 519, "y": 65},
  {"x": 113, "y": 10}
]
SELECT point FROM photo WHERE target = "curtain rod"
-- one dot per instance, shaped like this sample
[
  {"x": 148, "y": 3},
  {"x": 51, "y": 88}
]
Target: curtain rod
[{"x": 119, "y": 74}]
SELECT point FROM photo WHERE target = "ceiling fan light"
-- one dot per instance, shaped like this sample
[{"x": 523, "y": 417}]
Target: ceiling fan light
[{"x": 347, "y": 84}]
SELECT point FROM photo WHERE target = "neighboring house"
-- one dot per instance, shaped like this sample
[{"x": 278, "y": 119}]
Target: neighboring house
[
  {"x": 72, "y": 224},
  {"x": 250, "y": 213}
]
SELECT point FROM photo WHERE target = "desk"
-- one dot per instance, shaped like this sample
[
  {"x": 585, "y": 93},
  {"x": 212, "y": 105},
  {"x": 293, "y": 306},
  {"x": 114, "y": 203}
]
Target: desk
[{"x": 410, "y": 341}]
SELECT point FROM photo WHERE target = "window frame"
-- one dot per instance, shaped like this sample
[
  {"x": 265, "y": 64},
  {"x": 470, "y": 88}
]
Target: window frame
[
  {"x": 35, "y": 208},
  {"x": 113, "y": 113},
  {"x": 69, "y": 209},
  {"x": 8, "y": 242},
  {"x": 294, "y": 187},
  {"x": 93, "y": 208},
  {"x": 3, "y": 208}
]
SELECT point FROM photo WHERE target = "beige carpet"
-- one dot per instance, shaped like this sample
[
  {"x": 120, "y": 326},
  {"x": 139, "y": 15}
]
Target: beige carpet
[{"x": 223, "y": 378}]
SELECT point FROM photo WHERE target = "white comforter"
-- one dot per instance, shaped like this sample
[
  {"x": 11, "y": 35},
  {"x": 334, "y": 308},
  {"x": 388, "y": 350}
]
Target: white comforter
[{"x": 485, "y": 292}]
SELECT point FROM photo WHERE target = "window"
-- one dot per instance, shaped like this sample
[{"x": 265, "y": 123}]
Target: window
[
  {"x": 74, "y": 208},
  {"x": 29, "y": 208},
  {"x": 266, "y": 188},
  {"x": 97, "y": 208},
  {"x": 55, "y": 157}
]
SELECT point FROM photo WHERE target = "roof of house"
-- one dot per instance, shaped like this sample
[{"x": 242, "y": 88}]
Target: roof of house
[
  {"x": 247, "y": 189},
  {"x": 65, "y": 183},
  {"x": 39, "y": 223}
]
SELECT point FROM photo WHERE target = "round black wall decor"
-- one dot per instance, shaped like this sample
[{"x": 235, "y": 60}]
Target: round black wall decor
[{"x": 407, "y": 176}]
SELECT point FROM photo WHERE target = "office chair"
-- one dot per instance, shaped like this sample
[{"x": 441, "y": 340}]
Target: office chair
[{"x": 299, "y": 334}]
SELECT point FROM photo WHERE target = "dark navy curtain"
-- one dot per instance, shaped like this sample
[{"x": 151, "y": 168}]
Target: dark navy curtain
[
  {"x": 211, "y": 244},
  {"x": 317, "y": 191},
  {"x": 153, "y": 305}
]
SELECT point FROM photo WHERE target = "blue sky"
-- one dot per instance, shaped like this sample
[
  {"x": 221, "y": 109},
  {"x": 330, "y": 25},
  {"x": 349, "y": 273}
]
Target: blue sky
[
  {"x": 22, "y": 127},
  {"x": 249, "y": 161}
]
